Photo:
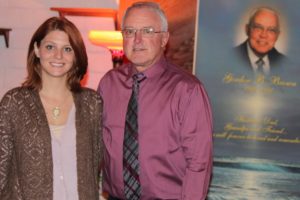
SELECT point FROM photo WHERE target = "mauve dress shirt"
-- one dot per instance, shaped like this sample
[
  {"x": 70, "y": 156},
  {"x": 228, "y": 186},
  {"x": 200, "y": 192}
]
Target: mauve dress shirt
[{"x": 175, "y": 132}]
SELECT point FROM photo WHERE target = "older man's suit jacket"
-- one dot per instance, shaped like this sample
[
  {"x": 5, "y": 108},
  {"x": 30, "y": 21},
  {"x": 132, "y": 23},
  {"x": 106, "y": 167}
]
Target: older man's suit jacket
[{"x": 276, "y": 59}]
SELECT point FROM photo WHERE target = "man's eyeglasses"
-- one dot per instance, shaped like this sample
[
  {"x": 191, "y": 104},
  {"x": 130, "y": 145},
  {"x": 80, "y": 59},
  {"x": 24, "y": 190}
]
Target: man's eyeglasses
[
  {"x": 146, "y": 32},
  {"x": 259, "y": 29}
]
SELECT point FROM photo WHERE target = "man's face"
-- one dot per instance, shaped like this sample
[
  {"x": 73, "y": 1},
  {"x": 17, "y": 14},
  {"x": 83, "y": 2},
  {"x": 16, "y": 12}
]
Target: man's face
[
  {"x": 143, "y": 50},
  {"x": 263, "y": 32}
]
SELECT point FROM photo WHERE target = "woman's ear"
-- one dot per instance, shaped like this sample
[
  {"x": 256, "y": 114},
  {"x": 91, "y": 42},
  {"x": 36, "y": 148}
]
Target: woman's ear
[{"x": 36, "y": 50}]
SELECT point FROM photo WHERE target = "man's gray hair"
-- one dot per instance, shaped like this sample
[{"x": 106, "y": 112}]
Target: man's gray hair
[
  {"x": 151, "y": 5},
  {"x": 260, "y": 9}
]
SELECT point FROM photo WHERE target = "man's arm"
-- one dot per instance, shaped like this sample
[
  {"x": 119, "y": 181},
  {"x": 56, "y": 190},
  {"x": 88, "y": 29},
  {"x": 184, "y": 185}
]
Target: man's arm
[{"x": 196, "y": 132}]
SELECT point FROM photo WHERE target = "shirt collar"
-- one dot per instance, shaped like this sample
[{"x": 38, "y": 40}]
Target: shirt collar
[{"x": 253, "y": 58}]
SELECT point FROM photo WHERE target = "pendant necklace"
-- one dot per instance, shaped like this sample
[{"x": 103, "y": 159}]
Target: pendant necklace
[{"x": 56, "y": 112}]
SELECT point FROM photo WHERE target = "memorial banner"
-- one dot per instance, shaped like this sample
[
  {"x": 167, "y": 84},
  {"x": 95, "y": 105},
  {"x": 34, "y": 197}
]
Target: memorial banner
[{"x": 256, "y": 104}]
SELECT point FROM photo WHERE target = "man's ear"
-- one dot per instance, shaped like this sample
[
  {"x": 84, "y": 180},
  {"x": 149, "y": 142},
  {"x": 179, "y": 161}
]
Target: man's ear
[
  {"x": 165, "y": 39},
  {"x": 247, "y": 29},
  {"x": 36, "y": 50}
]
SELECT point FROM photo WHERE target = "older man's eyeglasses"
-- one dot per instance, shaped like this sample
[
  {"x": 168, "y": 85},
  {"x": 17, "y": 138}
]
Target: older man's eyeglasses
[
  {"x": 145, "y": 32},
  {"x": 260, "y": 29}
]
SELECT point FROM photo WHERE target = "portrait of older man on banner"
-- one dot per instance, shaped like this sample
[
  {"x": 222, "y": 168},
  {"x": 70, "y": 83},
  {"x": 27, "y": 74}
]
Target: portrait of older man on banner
[
  {"x": 258, "y": 52},
  {"x": 247, "y": 55}
]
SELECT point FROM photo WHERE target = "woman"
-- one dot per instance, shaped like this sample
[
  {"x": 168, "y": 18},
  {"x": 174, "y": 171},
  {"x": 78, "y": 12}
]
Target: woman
[{"x": 50, "y": 128}]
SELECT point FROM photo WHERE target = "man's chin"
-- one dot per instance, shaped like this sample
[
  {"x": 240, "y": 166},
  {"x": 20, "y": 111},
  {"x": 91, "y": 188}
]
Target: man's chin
[
  {"x": 139, "y": 64},
  {"x": 261, "y": 52},
  {"x": 140, "y": 60}
]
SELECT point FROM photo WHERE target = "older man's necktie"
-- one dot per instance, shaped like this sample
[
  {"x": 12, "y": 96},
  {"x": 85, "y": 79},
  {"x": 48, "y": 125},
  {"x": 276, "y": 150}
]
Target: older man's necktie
[
  {"x": 131, "y": 167},
  {"x": 260, "y": 66}
]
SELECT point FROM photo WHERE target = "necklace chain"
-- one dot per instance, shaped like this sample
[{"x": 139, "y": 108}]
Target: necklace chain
[{"x": 55, "y": 110}]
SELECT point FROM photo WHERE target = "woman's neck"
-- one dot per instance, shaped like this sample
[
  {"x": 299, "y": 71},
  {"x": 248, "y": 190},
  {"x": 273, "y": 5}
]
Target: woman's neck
[
  {"x": 55, "y": 88},
  {"x": 57, "y": 101}
]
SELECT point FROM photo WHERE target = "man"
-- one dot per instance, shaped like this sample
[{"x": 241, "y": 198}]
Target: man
[
  {"x": 258, "y": 51},
  {"x": 174, "y": 158}
]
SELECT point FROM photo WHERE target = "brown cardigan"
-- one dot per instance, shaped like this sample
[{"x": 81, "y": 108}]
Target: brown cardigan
[{"x": 26, "y": 167}]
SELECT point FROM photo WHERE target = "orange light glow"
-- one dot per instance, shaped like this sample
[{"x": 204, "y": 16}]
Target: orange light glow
[{"x": 109, "y": 39}]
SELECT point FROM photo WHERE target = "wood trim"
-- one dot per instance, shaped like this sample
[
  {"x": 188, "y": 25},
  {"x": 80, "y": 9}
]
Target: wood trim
[{"x": 5, "y": 33}]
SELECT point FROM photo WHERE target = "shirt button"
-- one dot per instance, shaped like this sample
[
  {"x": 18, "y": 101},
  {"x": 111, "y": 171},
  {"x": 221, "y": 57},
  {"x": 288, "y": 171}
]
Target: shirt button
[{"x": 61, "y": 177}]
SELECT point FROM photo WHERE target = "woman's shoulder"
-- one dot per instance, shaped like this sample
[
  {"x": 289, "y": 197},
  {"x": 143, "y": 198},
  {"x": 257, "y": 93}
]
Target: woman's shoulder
[
  {"x": 17, "y": 92},
  {"x": 89, "y": 91},
  {"x": 89, "y": 94},
  {"x": 16, "y": 96}
]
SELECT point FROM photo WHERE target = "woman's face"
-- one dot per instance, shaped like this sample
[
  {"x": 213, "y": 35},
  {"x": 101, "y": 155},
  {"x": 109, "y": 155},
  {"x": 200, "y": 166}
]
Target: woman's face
[{"x": 56, "y": 55}]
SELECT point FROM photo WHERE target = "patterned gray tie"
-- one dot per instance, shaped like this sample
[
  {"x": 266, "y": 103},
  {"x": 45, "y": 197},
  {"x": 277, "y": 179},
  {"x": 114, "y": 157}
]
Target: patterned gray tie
[
  {"x": 260, "y": 66},
  {"x": 131, "y": 167}
]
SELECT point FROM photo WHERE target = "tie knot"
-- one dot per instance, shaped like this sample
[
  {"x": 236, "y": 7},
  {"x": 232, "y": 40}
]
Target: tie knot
[
  {"x": 138, "y": 77},
  {"x": 260, "y": 62}
]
